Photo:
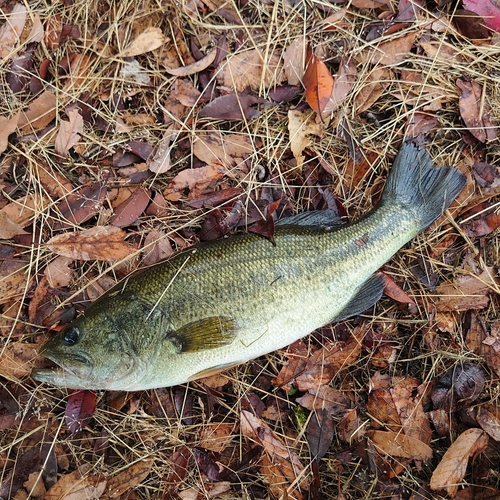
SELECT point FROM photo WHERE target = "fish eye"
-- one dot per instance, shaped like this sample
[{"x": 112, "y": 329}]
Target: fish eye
[{"x": 71, "y": 336}]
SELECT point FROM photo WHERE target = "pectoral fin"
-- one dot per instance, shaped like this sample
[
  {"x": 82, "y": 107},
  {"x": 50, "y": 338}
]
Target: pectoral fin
[
  {"x": 206, "y": 333},
  {"x": 367, "y": 295}
]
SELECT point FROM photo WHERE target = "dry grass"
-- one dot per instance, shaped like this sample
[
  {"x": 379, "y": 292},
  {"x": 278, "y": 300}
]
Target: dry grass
[{"x": 138, "y": 429}]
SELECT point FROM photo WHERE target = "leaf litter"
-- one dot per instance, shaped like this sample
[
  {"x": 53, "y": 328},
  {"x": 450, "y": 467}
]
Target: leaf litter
[{"x": 128, "y": 133}]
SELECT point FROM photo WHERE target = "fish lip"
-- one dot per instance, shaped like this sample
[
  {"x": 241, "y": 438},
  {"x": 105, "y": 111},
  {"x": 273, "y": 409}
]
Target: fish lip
[{"x": 81, "y": 359}]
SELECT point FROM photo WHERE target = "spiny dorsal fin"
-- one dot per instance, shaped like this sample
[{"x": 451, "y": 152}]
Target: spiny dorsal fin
[{"x": 206, "y": 333}]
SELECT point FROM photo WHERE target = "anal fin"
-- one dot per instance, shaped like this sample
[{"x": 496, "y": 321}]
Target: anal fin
[
  {"x": 206, "y": 333},
  {"x": 366, "y": 296}
]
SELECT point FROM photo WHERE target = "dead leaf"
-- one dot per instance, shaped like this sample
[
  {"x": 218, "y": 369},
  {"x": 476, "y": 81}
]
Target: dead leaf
[
  {"x": 488, "y": 417},
  {"x": 69, "y": 132},
  {"x": 250, "y": 69},
  {"x": 233, "y": 107},
  {"x": 195, "y": 180},
  {"x": 326, "y": 362},
  {"x": 54, "y": 182},
  {"x": 11, "y": 30},
  {"x": 77, "y": 485},
  {"x": 301, "y": 126},
  {"x": 17, "y": 360},
  {"x": 195, "y": 67},
  {"x": 39, "y": 114},
  {"x": 23, "y": 210},
  {"x": 13, "y": 284},
  {"x": 371, "y": 89},
  {"x": 105, "y": 243},
  {"x": 278, "y": 453},
  {"x": 451, "y": 469},
  {"x": 369, "y": 4},
  {"x": 319, "y": 433},
  {"x": 216, "y": 436},
  {"x": 185, "y": 92},
  {"x": 129, "y": 210},
  {"x": 217, "y": 149},
  {"x": 8, "y": 228},
  {"x": 395, "y": 292},
  {"x": 80, "y": 408},
  {"x": 150, "y": 39},
  {"x": 466, "y": 292},
  {"x": 476, "y": 111},
  {"x": 7, "y": 126},
  {"x": 157, "y": 247},
  {"x": 391, "y": 52},
  {"x": 325, "y": 397},
  {"x": 294, "y": 60},
  {"x": 318, "y": 83},
  {"x": 342, "y": 85},
  {"x": 397, "y": 444},
  {"x": 129, "y": 478},
  {"x": 58, "y": 272}
]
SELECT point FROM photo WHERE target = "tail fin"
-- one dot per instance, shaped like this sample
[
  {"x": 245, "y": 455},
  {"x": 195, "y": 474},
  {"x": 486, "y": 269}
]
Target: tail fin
[{"x": 415, "y": 184}]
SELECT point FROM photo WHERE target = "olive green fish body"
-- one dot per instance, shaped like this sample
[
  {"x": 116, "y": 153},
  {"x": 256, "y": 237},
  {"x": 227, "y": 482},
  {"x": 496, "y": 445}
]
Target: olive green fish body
[{"x": 225, "y": 302}]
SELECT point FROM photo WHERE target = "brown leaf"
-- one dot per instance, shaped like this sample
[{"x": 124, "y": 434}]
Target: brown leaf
[
  {"x": 373, "y": 87},
  {"x": 476, "y": 111},
  {"x": 77, "y": 485},
  {"x": 129, "y": 478},
  {"x": 250, "y": 69},
  {"x": 451, "y": 469},
  {"x": 129, "y": 210},
  {"x": 13, "y": 279},
  {"x": 196, "y": 180},
  {"x": 39, "y": 114},
  {"x": 318, "y": 83},
  {"x": 397, "y": 444},
  {"x": 467, "y": 292},
  {"x": 327, "y": 362},
  {"x": 150, "y": 39},
  {"x": 54, "y": 183},
  {"x": 488, "y": 417},
  {"x": 195, "y": 67},
  {"x": 105, "y": 243},
  {"x": 17, "y": 360},
  {"x": 216, "y": 436},
  {"x": 69, "y": 132},
  {"x": 369, "y": 4},
  {"x": 58, "y": 272},
  {"x": 11, "y": 29},
  {"x": 80, "y": 408},
  {"x": 228, "y": 150},
  {"x": 319, "y": 433},
  {"x": 277, "y": 452},
  {"x": 8, "y": 228},
  {"x": 294, "y": 60},
  {"x": 233, "y": 107},
  {"x": 325, "y": 397},
  {"x": 343, "y": 84},
  {"x": 391, "y": 52},
  {"x": 483, "y": 225},
  {"x": 7, "y": 126}
]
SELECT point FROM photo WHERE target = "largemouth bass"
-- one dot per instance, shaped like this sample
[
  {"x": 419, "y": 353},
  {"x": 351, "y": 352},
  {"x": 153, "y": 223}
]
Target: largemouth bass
[{"x": 225, "y": 302}]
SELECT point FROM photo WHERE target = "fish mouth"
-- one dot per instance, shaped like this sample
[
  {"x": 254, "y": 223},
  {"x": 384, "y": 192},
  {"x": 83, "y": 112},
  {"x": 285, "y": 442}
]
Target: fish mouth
[{"x": 66, "y": 362}]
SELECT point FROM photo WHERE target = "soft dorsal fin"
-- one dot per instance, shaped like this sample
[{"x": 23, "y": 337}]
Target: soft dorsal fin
[
  {"x": 325, "y": 218},
  {"x": 206, "y": 333},
  {"x": 366, "y": 296}
]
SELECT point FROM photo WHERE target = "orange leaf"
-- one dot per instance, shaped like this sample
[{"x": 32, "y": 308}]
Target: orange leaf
[{"x": 318, "y": 83}]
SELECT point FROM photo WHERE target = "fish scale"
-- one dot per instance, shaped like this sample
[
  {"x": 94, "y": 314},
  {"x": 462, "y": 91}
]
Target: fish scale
[{"x": 224, "y": 302}]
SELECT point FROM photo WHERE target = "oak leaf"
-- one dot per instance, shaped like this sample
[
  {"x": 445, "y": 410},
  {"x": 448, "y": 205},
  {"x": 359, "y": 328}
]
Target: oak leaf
[{"x": 150, "y": 39}]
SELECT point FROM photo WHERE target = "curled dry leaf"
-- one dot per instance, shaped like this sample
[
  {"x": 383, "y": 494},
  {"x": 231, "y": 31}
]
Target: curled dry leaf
[
  {"x": 451, "y": 469},
  {"x": 301, "y": 127},
  {"x": 488, "y": 417},
  {"x": 476, "y": 111},
  {"x": 105, "y": 243},
  {"x": 69, "y": 132},
  {"x": 150, "y": 39},
  {"x": 216, "y": 149},
  {"x": 195, "y": 67},
  {"x": 285, "y": 460},
  {"x": 78, "y": 485},
  {"x": 129, "y": 478}
]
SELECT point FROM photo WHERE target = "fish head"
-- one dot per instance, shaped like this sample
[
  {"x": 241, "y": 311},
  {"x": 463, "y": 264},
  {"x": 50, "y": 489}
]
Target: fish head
[{"x": 108, "y": 347}]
